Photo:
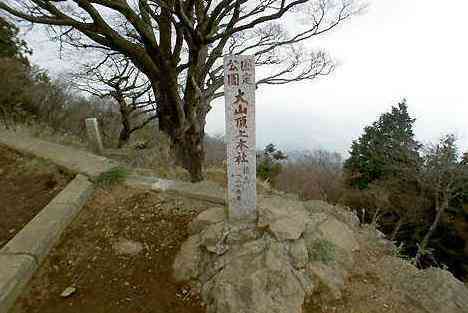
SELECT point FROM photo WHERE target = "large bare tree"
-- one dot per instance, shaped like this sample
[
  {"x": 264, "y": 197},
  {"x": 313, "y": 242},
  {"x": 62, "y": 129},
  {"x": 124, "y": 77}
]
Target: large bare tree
[
  {"x": 115, "y": 77},
  {"x": 178, "y": 45}
]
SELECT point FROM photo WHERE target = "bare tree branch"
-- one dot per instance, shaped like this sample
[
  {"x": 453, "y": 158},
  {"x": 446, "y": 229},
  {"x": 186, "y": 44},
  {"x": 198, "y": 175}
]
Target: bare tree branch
[{"x": 179, "y": 45}]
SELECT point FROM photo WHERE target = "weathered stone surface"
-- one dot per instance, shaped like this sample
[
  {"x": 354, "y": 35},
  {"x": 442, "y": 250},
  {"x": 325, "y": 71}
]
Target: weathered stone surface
[
  {"x": 243, "y": 268},
  {"x": 77, "y": 192},
  {"x": 436, "y": 290},
  {"x": 163, "y": 184},
  {"x": 213, "y": 237},
  {"x": 342, "y": 214},
  {"x": 289, "y": 228},
  {"x": 68, "y": 292},
  {"x": 339, "y": 233},
  {"x": 239, "y": 93},
  {"x": 285, "y": 219},
  {"x": 265, "y": 267},
  {"x": 187, "y": 262},
  {"x": 396, "y": 270},
  {"x": 94, "y": 136},
  {"x": 299, "y": 254},
  {"x": 127, "y": 247},
  {"x": 207, "y": 217},
  {"x": 316, "y": 219},
  {"x": 15, "y": 272},
  {"x": 330, "y": 277},
  {"x": 267, "y": 284},
  {"x": 239, "y": 233},
  {"x": 229, "y": 291},
  {"x": 433, "y": 289}
]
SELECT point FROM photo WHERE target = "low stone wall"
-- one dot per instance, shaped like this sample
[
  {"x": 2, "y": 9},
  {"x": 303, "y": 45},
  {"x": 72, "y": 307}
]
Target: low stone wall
[{"x": 23, "y": 254}]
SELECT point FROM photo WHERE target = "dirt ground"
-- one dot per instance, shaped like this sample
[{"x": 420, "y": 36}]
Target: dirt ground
[
  {"x": 370, "y": 287},
  {"x": 107, "y": 281},
  {"x": 26, "y": 186},
  {"x": 364, "y": 292}
]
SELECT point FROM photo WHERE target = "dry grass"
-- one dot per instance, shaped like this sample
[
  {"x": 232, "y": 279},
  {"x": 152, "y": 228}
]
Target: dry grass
[{"x": 45, "y": 132}]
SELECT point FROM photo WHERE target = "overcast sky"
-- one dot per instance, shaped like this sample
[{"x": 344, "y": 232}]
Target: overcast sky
[{"x": 414, "y": 49}]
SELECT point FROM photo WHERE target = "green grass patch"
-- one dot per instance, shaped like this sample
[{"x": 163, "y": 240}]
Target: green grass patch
[
  {"x": 323, "y": 251},
  {"x": 114, "y": 176}
]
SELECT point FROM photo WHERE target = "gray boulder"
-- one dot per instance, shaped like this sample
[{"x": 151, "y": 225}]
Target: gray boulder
[
  {"x": 265, "y": 267},
  {"x": 433, "y": 290}
]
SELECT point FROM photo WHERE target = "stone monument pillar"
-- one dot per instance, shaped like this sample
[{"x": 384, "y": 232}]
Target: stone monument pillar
[
  {"x": 239, "y": 93},
  {"x": 94, "y": 136}
]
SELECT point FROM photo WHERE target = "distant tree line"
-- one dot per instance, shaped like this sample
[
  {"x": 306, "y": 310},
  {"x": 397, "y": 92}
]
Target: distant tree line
[
  {"x": 415, "y": 192},
  {"x": 28, "y": 95}
]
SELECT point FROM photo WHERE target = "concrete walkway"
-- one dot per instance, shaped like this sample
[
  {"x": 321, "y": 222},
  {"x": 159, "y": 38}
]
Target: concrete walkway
[
  {"x": 206, "y": 190},
  {"x": 75, "y": 160},
  {"x": 92, "y": 165}
]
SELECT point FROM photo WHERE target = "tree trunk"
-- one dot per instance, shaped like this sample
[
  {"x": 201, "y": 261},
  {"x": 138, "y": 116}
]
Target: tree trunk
[
  {"x": 375, "y": 218},
  {"x": 190, "y": 154},
  {"x": 125, "y": 120},
  {"x": 422, "y": 246},
  {"x": 186, "y": 143},
  {"x": 183, "y": 119},
  {"x": 4, "y": 117},
  {"x": 125, "y": 132},
  {"x": 124, "y": 137},
  {"x": 396, "y": 229}
]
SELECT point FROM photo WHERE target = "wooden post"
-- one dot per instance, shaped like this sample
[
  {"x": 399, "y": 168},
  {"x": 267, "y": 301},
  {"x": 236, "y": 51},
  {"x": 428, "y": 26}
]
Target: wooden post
[{"x": 239, "y": 93}]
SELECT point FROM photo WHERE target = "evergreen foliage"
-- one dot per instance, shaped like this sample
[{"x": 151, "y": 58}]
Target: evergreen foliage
[
  {"x": 11, "y": 46},
  {"x": 385, "y": 147},
  {"x": 269, "y": 163}
]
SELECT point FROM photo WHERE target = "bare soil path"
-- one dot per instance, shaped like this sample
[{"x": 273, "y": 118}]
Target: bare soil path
[
  {"x": 107, "y": 280},
  {"x": 27, "y": 185}
]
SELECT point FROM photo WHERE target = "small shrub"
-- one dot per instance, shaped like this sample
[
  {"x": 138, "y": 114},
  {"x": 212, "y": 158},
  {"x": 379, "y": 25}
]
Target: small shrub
[
  {"x": 400, "y": 252},
  {"x": 323, "y": 250},
  {"x": 114, "y": 176}
]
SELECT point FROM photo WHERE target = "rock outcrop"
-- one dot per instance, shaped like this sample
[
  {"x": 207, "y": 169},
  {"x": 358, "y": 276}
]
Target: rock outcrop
[
  {"x": 296, "y": 249},
  {"x": 271, "y": 266},
  {"x": 434, "y": 290}
]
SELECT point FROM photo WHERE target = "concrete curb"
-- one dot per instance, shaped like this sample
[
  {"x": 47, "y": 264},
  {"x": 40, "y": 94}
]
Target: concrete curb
[
  {"x": 92, "y": 165},
  {"x": 23, "y": 254},
  {"x": 205, "y": 191}
]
